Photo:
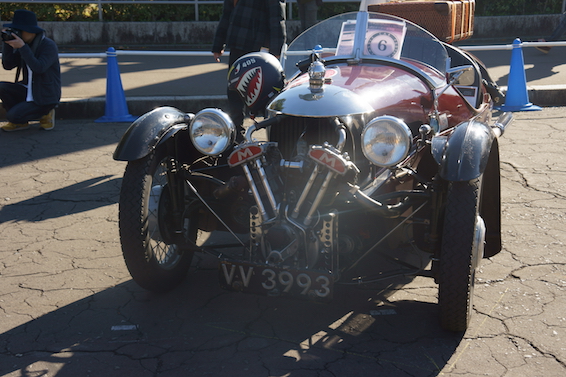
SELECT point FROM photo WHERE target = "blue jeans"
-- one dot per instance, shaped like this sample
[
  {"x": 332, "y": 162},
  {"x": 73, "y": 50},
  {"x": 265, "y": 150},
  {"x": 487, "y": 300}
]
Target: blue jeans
[{"x": 13, "y": 97}]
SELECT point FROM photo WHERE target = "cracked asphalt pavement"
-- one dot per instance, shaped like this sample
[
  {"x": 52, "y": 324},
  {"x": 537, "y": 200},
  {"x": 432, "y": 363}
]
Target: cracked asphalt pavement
[{"x": 68, "y": 306}]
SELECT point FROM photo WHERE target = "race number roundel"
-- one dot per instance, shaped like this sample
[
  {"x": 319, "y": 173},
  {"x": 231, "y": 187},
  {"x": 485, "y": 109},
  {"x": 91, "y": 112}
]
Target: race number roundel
[{"x": 383, "y": 44}]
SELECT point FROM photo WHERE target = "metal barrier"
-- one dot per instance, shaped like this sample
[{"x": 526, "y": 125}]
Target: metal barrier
[
  {"x": 510, "y": 46},
  {"x": 208, "y": 53},
  {"x": 115, "y": 92}
]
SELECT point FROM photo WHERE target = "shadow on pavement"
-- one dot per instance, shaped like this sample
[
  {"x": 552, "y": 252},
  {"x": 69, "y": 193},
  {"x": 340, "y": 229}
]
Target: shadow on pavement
[
  {"x": 80, "y": 197},
  {"x": 145, "y": 77},
  {"x": 68, "y": 137},
  {"x": 199, "y": 330},
  {"x": 538, "y": 66}
]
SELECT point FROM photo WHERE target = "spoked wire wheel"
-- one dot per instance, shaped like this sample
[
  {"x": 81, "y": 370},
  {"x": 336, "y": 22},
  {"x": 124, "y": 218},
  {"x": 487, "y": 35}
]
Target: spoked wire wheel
[{"x": 157, "y": 253}]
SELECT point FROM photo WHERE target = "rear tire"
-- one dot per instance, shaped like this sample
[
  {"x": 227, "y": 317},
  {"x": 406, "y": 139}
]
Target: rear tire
[
  {"x": 154, "y": 262},
  {"x": 457, "y": 264}
]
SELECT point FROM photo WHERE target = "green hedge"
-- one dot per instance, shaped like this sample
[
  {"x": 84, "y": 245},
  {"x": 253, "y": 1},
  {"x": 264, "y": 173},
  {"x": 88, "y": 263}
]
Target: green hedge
[
  {"x": 171, "y": 12},
  {"x": 517, "y": 7}
]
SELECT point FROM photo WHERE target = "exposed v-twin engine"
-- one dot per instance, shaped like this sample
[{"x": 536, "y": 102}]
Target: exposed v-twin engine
[{"x": 287, "y": 226}]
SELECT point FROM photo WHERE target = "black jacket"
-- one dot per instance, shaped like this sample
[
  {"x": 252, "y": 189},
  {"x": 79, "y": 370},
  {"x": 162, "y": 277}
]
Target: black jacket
[
  {"x": 251, "y": 25},
  {"x": 42, "y": 57}
]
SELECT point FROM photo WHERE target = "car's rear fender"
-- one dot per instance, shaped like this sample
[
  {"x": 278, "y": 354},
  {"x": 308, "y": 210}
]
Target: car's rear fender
[{"x": 149, "y": 131}]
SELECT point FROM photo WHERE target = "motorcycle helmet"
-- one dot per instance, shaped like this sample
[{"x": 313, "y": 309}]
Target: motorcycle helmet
[{"x": 257, "y": 77}]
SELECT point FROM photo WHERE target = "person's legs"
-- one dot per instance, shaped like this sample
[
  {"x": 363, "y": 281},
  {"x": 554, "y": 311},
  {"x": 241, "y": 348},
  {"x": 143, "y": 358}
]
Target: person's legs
[
  {"x": 302, "y": 15},
  {"x": 11, "y": 94},
  {"x": 556, "y": 34},
  {"x": 560, "y": 29},
  {"x": 309, "y": 16},
  {"x": 23, "y": 112}
]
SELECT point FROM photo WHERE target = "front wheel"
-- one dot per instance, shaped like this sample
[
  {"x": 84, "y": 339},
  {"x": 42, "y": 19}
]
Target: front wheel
[
  {"x": 156, "y": 245},
  {"x": 463, "y": 239}
]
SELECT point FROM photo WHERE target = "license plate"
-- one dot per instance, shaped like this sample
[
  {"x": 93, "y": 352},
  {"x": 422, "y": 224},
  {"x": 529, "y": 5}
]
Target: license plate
[{"x": 273, "y": 281}]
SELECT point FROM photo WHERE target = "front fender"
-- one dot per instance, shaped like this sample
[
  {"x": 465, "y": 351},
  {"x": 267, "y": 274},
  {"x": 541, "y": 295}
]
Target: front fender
[
  {"x": 150, "y": 130},
  {"x": 463, "y": 155}
]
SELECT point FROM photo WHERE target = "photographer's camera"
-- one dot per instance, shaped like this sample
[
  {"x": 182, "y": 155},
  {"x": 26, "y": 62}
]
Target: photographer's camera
[{"x": 9, "y": 34}]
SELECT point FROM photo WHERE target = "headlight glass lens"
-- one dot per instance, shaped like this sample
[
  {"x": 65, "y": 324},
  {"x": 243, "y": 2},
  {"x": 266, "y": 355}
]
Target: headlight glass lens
[
  {"x": 212, "y": 131},
  {"x": 386, "y": 141}
]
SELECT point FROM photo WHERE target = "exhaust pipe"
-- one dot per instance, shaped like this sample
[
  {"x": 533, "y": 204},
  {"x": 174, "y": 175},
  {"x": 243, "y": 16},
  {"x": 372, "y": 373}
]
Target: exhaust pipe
[{"x": 502, "y": 123}]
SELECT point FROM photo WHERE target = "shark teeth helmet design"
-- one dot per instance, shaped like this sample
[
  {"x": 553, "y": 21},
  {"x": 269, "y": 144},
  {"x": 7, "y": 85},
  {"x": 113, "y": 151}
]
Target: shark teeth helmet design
[
  {"x": 257, "y": 77},
  {"x": 249, "y": 85}
]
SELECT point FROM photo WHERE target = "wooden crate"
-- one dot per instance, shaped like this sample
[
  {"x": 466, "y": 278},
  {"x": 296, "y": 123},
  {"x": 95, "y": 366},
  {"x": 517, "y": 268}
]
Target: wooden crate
[{"x": 449, "y": 21}]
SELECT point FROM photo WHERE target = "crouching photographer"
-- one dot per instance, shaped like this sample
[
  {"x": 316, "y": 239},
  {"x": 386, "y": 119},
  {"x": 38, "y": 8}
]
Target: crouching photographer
[{"x": 35, "y": 95}]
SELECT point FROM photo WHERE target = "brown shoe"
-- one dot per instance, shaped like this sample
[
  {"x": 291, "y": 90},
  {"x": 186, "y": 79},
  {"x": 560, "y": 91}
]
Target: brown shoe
[
  {"x": 543, "y": 49},
  {"x": 47, "y": 122},
  {"x": 9, "y": 127}
]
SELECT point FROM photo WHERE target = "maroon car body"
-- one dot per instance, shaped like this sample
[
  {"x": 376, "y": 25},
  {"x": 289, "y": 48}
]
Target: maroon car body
[{"x": 378, "y": 158}]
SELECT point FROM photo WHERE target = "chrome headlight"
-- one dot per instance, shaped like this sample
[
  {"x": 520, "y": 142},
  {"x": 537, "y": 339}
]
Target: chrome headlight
[
  {"x": 386, "y": 141},
  {"x": 212, "y": 131}
]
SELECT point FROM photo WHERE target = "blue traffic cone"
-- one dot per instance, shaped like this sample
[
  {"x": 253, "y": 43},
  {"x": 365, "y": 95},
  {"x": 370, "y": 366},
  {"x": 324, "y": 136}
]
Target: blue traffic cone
[
  {"x": 116, "y": 108},
  {"x": 517, "y": 97}
]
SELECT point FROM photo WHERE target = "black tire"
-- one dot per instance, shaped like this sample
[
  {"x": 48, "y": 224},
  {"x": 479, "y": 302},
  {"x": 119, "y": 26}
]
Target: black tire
[
  {"x": 155, "y": 264},
  {"x": 462, "y": 233}
]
